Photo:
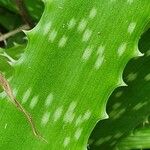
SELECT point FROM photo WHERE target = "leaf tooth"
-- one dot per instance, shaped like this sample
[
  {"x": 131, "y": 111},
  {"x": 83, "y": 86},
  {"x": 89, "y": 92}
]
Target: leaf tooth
[
  {"x": 105, "y": 115},
  {"x": 30, "y": 32},
  {"x": 137, "y": 52},
  {"x": 16, "y": 44},
  {"x": 46, "y": 1},
  {"x": 121, "y": 82},
  {"x": 26, "y": 32}
]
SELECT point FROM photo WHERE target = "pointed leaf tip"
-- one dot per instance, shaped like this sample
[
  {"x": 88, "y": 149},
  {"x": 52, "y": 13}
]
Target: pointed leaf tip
[
  {"x": 105, "y": 115},
  {"x": 121, "y": 82}
]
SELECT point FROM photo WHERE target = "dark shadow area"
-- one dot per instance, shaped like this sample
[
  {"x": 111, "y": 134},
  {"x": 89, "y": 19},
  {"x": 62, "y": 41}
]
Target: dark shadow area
[{"x": 15, "y": 14}]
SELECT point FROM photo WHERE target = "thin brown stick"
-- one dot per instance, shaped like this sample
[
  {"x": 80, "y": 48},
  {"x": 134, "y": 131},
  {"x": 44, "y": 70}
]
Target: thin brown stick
[
  {"x": 4, "y": 83},
  {"x": 3, "y": 37},
  {"x": 2, "y": 42}
]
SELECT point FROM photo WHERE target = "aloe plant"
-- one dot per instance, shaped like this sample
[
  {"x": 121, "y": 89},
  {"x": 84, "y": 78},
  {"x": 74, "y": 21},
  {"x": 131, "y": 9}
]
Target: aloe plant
[
  {"x": 134, "y": 140},
  {"x": 128, "y": 107},
  {"x": 73, "y": 61}
]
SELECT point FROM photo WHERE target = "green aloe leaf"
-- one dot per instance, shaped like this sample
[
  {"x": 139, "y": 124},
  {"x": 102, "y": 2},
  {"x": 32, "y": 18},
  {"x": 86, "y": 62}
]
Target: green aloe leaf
[
  {"x": 5, "y": 67},
  {"x": 19, "y": 39},
  {"x": 127, "y": 106},
  {"x": 73, "y": 61},
  {"x": 8, "y": 57},
  {"x": 139, "y": 139}
]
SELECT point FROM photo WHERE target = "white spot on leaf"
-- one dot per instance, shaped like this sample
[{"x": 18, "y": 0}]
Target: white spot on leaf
[
  {"x": 129, "y": 1},
  {"x": 5, "y": 126},
  {"x": 62, "y": 41},
  {"x": 93, "y": 13},
  {"x": 116, "y": 106},
  {"x": 86, "y": 36},
  {"x": 49, "y": 100},
  {"x": 79, "y": 120},
  {"x": 45, "y": 118},
  {"x": 33, "y": 102},
  {"x": 26, "y": 96},
  {"x": 113, "y": 0},
  {"x": 3, "y": 95},
  {"x": 69, "y": 115},
  {"x": 66, "y": 141},
  {"x": 139, "y": 105},
  {"x": 87, "y": 53},
  {"x": 118, "y": 114},
  {"x": 100, "y": 58},
  {"x": 71, "y": 23},
  {"x": 100, "y": 50},
  {"x": 132, "y": 76},
  {"x": 102, "y": 140},
  {"x": 10, "y": 79},
  {"x": 131, "y": 27},
  {"x": 57, "y": 113},
  {"x": 118, "y": 135},
  {"x": 122, "y": 48},
  {"x": 47, "y": 28},
  {"x": 118, "y": 94},
  {"x": 30, "y": 8},
  {"x": 148, "y": 53},
  {"x": 99, "y": 62},
  {"x": 78, "y": 133},
  {"x": 82, "y": 25},
  {"x": 87, "y": 115},
  {"x": 147, "y": 77},
  {"x": 99, "y": 142},
  {"x": 15, "y": 91},
  {"x": 52, "y": 35}
]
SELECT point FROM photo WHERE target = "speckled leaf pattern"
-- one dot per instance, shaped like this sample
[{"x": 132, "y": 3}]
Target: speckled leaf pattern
[
  {"x": 128, "y": 107},
  {"x": 139, "y": 139},
  {"x": 73, "y": 61}
]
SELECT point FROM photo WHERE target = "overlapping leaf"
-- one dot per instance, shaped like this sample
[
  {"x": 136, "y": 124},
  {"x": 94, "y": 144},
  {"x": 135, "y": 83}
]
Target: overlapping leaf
[
  {"x": 128, "y": 106},
  {"x": 8, "y": 58},
  {"x": 139, "y": 139}
]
